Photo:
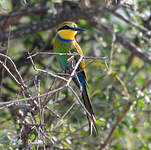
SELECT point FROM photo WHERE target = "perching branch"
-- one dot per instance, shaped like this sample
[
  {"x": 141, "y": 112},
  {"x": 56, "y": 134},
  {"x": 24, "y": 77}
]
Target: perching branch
[
  {"x": 67, "y": 54},
  {"x": 76, "y": 14}
]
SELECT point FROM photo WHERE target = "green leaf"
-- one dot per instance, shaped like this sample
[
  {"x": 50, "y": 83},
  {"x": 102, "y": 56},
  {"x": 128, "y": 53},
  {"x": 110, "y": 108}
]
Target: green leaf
[
  {"x": 140, "y": 103},
  {"x": 134, "y": 129}
]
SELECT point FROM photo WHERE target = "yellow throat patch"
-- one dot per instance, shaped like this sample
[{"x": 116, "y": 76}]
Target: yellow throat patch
[{"x": 67, "y": 34}]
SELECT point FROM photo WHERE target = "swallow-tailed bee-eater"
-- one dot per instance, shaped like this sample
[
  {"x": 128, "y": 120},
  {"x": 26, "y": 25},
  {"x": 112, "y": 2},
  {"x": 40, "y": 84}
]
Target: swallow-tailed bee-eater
[{"x": 65, "y": 42}]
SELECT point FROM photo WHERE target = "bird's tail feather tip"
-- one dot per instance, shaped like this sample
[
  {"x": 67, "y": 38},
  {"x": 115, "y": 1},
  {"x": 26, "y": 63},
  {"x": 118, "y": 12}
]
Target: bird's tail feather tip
[{"x": 92, "y": 127}]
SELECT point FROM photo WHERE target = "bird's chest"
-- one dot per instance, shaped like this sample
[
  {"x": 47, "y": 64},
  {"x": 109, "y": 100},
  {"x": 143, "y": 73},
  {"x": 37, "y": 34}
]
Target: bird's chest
[{"x": 63, "y": 47}]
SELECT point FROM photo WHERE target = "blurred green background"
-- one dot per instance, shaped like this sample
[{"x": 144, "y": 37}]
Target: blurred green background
[{"x": 113, "y": 82}]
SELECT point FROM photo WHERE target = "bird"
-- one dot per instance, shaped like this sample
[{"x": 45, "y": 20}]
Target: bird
[{"x": 65, "y": 42}]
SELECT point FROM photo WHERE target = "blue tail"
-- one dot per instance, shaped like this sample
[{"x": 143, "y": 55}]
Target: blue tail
[{"x": 81, "y": 81}]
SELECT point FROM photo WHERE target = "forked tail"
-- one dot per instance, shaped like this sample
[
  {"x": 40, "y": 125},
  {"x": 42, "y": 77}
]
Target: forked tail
[{"x": 90, "y": 116}]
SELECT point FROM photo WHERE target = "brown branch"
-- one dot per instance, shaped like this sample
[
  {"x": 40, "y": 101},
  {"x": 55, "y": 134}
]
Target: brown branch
[
  {"x": 13, "y": 17},
  {"x": 65, "y": 114},
  {"x": 123, "y": 41},
  {"x": 18, "y": 81},
  {"x": 52, "y": 22},
  {"x": 67, "y": 54},
  {"x": 76, "y": 14},
  {"x": 25, "y": 12},
  {"x": 146, "y": 85},
  {"x": 134, "y": 49},
  {"x": 121, "y": 118},
  {"x": 142, "y": 29},
  {"x": 50, "y": 140},
  {"x": 44, "y": 71},
  {"x": 14, "y": 69},
  {"x": 5, "y": 121},
  {"x": 41, "y": 25},
  {"x": 32, "y": 98},
  {"x": 116, "y": 125},
  {"x": 11, "y": 75},
  {"x": 47, "y": 99}
]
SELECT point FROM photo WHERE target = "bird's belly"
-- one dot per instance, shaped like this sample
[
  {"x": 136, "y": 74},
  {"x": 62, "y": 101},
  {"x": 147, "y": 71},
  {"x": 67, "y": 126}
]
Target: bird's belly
[{"x": 63, "y": 61}]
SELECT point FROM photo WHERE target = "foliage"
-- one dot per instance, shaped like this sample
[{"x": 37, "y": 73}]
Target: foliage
[{"x": 37, "y": 110}]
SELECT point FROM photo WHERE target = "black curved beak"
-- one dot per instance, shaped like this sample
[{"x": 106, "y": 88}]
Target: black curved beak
[{"x": 79, "y": 29}]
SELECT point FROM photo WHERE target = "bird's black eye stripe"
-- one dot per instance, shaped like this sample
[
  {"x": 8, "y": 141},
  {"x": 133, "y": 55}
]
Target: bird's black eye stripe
[{"x": 65, "y": 27}]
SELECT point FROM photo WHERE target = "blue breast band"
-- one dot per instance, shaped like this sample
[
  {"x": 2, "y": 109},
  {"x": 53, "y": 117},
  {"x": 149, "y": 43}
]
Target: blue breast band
[{"x": 62, "y": 39}]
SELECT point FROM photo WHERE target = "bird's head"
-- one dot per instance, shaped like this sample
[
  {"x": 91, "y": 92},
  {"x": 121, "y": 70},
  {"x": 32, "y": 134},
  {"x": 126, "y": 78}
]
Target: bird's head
[{"x": 68, "y": 30}]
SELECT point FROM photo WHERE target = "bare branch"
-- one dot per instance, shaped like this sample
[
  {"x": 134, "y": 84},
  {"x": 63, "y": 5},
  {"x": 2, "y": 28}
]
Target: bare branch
[
  {"x": 123, "y": 41},
  {"x": 15, "y": 69},
  {"x": 78, "y": 99},
  {"x": 32, "y": 98},
  {"x": 63, "y": 116},
  {"x": 50, "y": 140},
  {"x": 74, "y": 71},
  {"x": 115, "y": 126},
  {"x": 67, "y": 54},
  {"x": 11, "y": 75},
  {"x": 44, "y": 71},
  {"x": 142, "y": 29},
  {"x": 13, "y": 17},
  {"x": 40, "y": 26}
]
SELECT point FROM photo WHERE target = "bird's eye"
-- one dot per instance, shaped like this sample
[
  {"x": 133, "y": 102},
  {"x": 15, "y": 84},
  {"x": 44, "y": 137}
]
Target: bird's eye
[{"x": 65, "y": 27}]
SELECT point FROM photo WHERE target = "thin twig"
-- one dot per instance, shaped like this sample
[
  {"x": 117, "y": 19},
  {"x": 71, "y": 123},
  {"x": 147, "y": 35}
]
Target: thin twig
[
  {"x": 78, "y": 99},
  {"x": 63, "y": 116},
  {"x": 122, "y": 40},
  {"x": 121, "y": 118},
  {"x": 11, "y": 75},
  {"x": 112, "y": 50},
  {"x": 142, "y": 29},
  {"x": 74, "y": 71},
  {"x": 15, "y": 68},
  {"x": 2, "y": 122},
  {"x": 115, "y": 126},
  {"x": 134, "y": 75},
  {"x": 148, "y": 83},
  {"x": 50, "y": 140},
  {"x": 31, "y": 98},
  {"x": 67, "y": 54},
  {"x": 44, "y": 71}
]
